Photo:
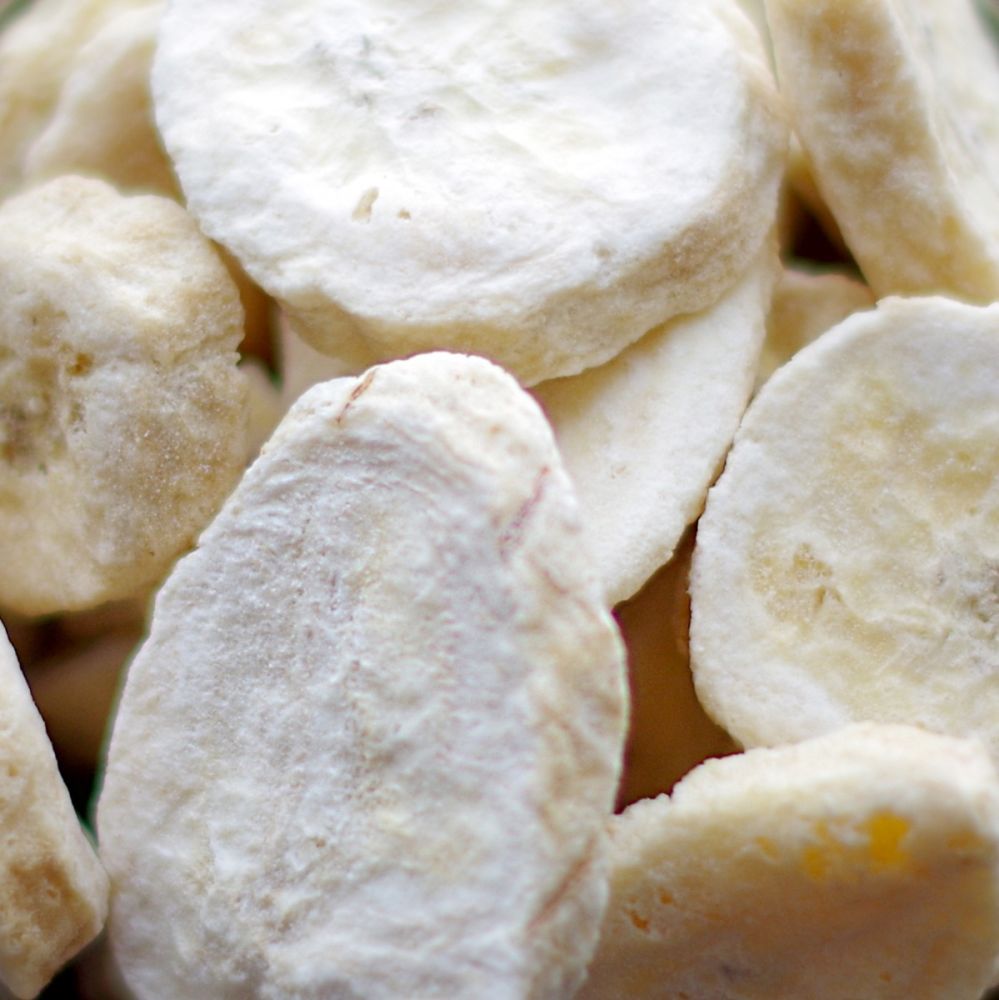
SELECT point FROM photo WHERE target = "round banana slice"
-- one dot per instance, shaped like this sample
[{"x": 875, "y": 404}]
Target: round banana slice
[
  {"x": 847, "y": 561},
  {"x": 805, "y": 304},
  {"x": 644, "y": 436},
  {"x": 895, "y": 102},
  {"x": 669, "y": 731},
  {"x": 370, "y": 745},
  {"x": 860, "y": 864},
  {"x": 121, "y": 408},
  {"x": 37, "y": 53},
  {"x": 53, "y": 890},
  {"x": 540, "y": 185}
]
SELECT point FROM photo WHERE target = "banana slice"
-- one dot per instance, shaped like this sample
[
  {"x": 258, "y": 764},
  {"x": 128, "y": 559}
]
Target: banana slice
[
  {"x": 846, "y": 562},
  {"x": 101, "y": 123},
  {"x": 804, "y": 306},
  {"x": 121, "y": 407},
  {"x": 541, "y": 185},
  {"x": 669, "y": 730},
  {"x": 644, "y": 436},
  {"x": 896, "y": 103},
  {"x": 37, "y": 53},
  {"x": 53, "y": 891},
  {"x": 371, "y": 742},
  {"x": 860, "y": 864}
]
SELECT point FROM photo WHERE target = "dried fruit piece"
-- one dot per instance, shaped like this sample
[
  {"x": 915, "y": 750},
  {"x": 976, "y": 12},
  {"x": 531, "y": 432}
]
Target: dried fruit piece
[
  {"x": 37, "y": 53},
  {"x": 846, "y": 562},
  {"x": 860, "y": 864},
  {"x": 53, "y": 891},
  {"x": 370, "y": 744},
  {"x": 541, "y": 185},
  {"x": 101, "y": 123},
  {"x": 895, "y": 102},
  {"x": 121, "y": 408},
  {"x": 644, "y": 436}
]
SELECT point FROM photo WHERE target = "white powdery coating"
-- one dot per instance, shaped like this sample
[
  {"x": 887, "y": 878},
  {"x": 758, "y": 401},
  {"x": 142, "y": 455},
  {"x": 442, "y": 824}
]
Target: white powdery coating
[
  {"x": 644, "y": 436},
  {"x": 860, "y": 864},
  {"x": 53, "y": 890},
  {"x": 540, "y": 183},
  {"x": 846, "y": 562},
  {"x": 370, "y": 745},
  {"x": 896, "y": 104}
]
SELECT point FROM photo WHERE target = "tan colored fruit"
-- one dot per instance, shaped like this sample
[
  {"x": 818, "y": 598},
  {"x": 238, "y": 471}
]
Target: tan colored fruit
[
  {"x": 53, "y": 891},
  {"x": 121, "y": 408},
  {"x": 864, "y": 864},
  {"x": 895, "y": 104}
]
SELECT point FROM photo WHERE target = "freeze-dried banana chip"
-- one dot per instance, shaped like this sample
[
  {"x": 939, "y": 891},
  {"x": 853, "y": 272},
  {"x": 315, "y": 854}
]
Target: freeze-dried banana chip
[
  {"x": 644, "y": 436},
  {"x": 538, "y": 184},
  {"x": 101, "y": 124},
  {"x": 860, "y": 864},
  {"x": 897, "y": 105},
  {"x": 847, "y": 561},
  {"x": 121, "y": 408},
  {"x": 804, "y": 306},
  {"x": 53, "y": 891},
  {"x": 37, "y": 54},
  {"x": 370, "y": 745}
]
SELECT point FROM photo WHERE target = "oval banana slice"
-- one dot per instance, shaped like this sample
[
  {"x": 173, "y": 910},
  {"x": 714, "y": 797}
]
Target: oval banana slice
[
  {"x": 860, "y": 864},
  {"x": 370, "y": 745},
  {"x": 53, "y": 890},
  {"x": 538, "y": 184},
  {"x": 895, "y": 102},
  {"x": 847, "y": 560},
  {"x": 121, "y": 408},
  {"x": 644, "y": 436}
]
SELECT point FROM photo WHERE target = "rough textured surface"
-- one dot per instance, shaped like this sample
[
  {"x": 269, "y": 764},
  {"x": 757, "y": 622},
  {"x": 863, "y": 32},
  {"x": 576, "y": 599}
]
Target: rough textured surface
[
  {"x": 370, "y": 744},
  {"x": 53, "y": 891},
  {"x": 644, "y": 436},
  {"x": 847, "y": 560},
  {"x": 541, "y": 184},
  {"x": 121, "y": 408},
  {"x": 102, "y": 122},
  {"x": 897, "y": 105},
  {"x": 860, "y": 864},
  {"x": 38, "y": 53}
]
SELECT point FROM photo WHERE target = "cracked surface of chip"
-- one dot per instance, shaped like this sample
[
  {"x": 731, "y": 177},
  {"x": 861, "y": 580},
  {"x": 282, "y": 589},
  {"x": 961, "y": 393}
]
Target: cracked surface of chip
[
  {"x": 847, "y": 562},
  {"x": 371, "y": 742},
  {"x": 895, "y": 103},
  {"x": 864, "y": 863},
  {"x": 121, "y": 408},
  {"x": 541, "y": 184},
  {"x": 53, "y": 890},
  {"x": 644, "y": 436}
]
